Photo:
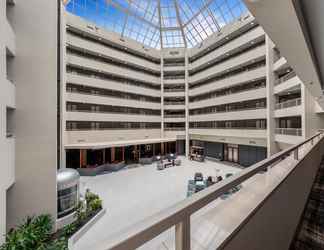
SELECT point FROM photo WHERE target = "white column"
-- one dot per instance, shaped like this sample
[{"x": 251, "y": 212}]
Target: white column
[
  {"x": 271, "y": 123},
  {"x": 3, "y": 214},
  {"x": 63, "y": 76},
  {"x": 162, "y": 96},
  {"x": 187, "y": 103}
]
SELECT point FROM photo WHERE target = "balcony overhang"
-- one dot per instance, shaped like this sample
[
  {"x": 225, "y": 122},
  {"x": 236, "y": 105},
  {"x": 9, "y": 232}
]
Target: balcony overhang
[
  {"x": 284, "y": 22},
  {"x": 112, "y": 144}
]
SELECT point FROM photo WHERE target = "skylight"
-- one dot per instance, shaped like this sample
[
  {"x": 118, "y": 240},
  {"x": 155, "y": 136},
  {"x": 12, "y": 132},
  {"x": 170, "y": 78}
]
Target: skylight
[{"x": 160, "y": 23}]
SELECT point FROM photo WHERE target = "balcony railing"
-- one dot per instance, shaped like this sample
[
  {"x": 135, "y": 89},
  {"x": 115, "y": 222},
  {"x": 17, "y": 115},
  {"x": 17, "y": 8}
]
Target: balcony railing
[
  {"x": 285, "y": 78},
  {"x": 174, "y": 103},
  {"x": 242, "y": 128},
  {"x": 206, "y": 111},
  {"x": 174, "y": 116},
  {"x": 174, "y": 129},
  {"x": 289, "y": 131},
  {"x": 180, "y": 214},
  {"x": 113, "y": 112},
  {"x": 288, "y": 104},
  {"x": 174, "y": 90},
  {"x": 210, "y": 96},
  {"x": 125, "y": 96}
]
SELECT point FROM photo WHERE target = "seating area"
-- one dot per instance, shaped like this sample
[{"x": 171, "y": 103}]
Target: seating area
[
  {"x": 165, "y": 161},
  {"x": 199, "y": 183},
  {"x": 169, "y": 160}
]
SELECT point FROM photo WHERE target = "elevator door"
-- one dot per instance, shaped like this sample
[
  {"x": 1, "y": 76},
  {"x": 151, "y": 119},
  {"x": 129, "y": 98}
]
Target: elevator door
[{"x": 231, "y": 153}]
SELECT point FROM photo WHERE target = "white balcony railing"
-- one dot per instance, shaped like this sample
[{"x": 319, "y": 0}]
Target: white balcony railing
[
  {"x": 180, "y": 215},
  {"x": 174, "y": 90},
  {"x": 174, "y": 116},
  {"x": 285, "y": 78},
  {"x": 289, "y": 131},
  {"x": 174, "y": 103},
  {"x": 174, "y": 129},
  {"x": 288, "y": 104}
]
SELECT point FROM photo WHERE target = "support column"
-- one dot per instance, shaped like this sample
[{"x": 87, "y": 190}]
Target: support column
[
  {"x": 83, "y": 157},
  {"x": 187, "y": 137},
  {"x": 153, "y": 148},
  {"x": 162, "y": 97},
  {"x": 272, "y": 147},
  {"x": 104, "y": 156},
  {"x": 123, "y": 150},
  {"x": 112, "y": 154},
  {"x": 162, "y": 148}
]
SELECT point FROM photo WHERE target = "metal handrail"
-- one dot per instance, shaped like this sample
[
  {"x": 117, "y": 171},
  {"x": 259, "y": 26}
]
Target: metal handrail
[
  {"x": 289, "y": 131},
  {"x": 285, "y": 78},
  {"x": 289, "y": 103},
  {"x": 179, "y": 214}
]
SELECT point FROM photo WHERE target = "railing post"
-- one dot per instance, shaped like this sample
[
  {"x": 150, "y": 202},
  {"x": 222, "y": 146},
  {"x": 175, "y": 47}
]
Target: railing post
[
  {"x": 296, "y": 154},
  {"x": 182, "y": 234}
]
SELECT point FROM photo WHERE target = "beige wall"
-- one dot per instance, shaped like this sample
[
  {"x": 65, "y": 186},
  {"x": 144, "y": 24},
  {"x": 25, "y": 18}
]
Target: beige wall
[
  {"x": 7, "y": 100},
  {"x": 35, "y": 70}
]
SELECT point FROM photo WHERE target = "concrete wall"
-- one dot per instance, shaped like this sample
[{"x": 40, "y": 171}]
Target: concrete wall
[
  {"x": 7, "y": 100},
  {"x": 35, "y": 71}
]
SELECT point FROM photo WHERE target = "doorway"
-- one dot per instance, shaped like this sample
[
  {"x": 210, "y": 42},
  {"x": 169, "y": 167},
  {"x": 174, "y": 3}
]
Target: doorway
[{"x": 231, "y": 153}]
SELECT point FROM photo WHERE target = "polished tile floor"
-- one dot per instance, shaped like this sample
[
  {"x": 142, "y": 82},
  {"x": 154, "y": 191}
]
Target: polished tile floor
[
  {"x": 134, "y": 194},
  {"x": 131, "y": 195}
]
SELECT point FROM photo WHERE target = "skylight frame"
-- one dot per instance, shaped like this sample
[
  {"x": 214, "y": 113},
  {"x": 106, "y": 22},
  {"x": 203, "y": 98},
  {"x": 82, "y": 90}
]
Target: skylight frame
[{"x": 160, "y": 23}]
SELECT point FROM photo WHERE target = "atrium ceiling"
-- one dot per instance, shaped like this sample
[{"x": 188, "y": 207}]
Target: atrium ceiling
[{"x": 160, "y": 23}]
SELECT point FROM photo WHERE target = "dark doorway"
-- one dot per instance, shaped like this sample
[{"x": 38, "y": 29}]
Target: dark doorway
[
  {"x": 94, "y": 157},
  {"x": 108, "y": 155},
  {"x": 72, "y": 158},
  {"x": 130, "y": 155}
]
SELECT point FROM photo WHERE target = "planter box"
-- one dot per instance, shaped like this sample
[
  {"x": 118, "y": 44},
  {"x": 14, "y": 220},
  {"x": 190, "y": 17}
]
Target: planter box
[{"x": 75, "y": 237}]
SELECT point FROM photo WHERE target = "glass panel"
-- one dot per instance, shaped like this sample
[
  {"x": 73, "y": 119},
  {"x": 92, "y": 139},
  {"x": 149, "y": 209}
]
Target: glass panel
[{"x": 143, "y": 20}]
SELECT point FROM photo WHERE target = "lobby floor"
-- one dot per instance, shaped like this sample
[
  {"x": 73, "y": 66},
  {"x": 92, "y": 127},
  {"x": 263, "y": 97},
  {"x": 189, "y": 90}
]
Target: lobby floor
[{"x": 131, "y": 195}]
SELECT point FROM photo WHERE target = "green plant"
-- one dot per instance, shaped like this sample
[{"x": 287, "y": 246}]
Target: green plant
[
  {"x": 95, "y": 205},
  {"x": 68, "y": 230},
  {"x": 89, "y": 196},
  {"x": 31, "y": 234},
  {"x": 80, "y": 212}
]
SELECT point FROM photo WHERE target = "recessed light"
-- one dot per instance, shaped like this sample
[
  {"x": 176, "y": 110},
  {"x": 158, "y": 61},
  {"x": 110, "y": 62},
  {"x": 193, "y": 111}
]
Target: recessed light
[
  {"x": 227, "y": 38},
  {"x": 252, "y": 23}
]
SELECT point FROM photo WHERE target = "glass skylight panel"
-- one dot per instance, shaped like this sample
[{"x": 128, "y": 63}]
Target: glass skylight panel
[
  {"x": 172, "y": 38},
  {"x": 180, "y": 22}
]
